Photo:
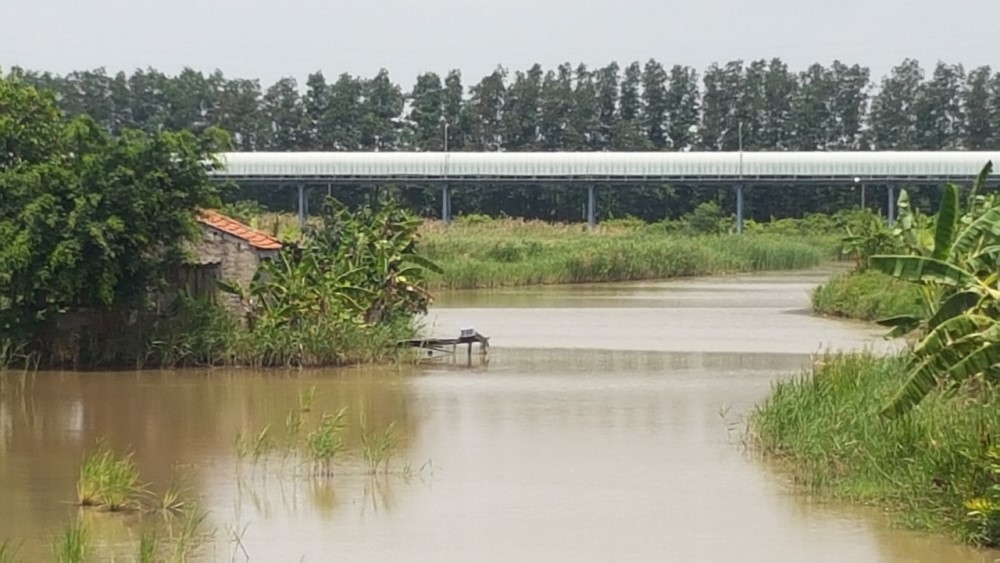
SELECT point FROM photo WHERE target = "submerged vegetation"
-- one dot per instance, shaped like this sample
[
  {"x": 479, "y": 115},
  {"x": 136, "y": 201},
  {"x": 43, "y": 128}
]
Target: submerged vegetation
[
  {"x": 915, "y": 433},
  {"x": 331, "y": 437}
]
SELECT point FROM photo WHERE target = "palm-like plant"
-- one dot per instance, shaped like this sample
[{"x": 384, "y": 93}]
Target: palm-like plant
[{"x": 960, "y": 335}]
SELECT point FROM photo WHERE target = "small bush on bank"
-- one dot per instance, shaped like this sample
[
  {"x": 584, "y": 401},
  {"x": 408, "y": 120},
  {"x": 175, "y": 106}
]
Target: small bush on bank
[{"x": 866, "y": 296}]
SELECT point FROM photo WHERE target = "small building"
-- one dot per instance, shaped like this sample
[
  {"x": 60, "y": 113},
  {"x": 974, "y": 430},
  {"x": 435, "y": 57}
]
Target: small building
[{"x": 226, "y": 250}]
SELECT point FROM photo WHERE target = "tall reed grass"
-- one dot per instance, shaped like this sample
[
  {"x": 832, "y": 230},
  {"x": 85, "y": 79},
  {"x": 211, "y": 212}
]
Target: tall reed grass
[
  {"x": 866, "y": 296},
  {"x": 72, "y": 545},
  {"x": 824, "y": 431}
]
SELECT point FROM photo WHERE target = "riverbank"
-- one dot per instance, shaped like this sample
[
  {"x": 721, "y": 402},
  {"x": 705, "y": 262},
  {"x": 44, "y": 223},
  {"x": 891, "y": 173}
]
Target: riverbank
[
  {"x": 866, "y": 296},
  {"x": 931, "y": 470},
  {"x": 498, "y": 253}
]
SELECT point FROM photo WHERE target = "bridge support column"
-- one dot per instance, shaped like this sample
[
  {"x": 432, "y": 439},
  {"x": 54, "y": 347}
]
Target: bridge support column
[
  {"x": 739, "y": 208},
  {"x": 302, "y": 205},
  {"x": 891, "y": 208},
  {"x": 446, "y": 204},
  {"x": 591, "y": 209}
]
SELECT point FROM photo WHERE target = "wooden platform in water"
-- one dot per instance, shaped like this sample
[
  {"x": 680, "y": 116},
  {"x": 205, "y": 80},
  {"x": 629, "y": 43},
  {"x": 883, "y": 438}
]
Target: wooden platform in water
[{"x": 450, "y": 345}]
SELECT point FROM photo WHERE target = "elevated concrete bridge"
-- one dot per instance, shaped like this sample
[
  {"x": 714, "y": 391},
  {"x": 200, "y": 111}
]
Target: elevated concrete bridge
[{"x": 736, "y": 169}]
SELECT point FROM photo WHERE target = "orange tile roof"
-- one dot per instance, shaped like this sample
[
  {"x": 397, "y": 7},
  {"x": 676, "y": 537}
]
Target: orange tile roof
[{"x": 255, "y": 238}]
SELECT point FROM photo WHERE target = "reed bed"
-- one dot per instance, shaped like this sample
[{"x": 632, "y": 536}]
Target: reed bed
[
  {"x": 523, "y": 253},
  {"x": 477, "y": 251},
  {"x": 928, "y": 469}
]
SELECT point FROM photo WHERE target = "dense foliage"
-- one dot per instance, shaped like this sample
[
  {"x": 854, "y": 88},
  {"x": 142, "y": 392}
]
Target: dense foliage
[
  {"x": 89, "y": 220},
  {"x": 956, "y": 267},
  {"x": 643, "y": 106},
  {"x": 352, "y": 278}
]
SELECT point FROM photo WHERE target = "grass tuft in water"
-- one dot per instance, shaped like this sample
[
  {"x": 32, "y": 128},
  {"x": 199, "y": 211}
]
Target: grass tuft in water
[
  {"x": 327, "y": 441},
  {"x": 73, "y": 545},
  {"x": 823, "y": 429},
  {"x": 190, "y": 536},
  {"x": 149, "y": 547},
  {"x": 8, "y": 552},
  {"x": 377, "y": 447},
  {"x": 254, "y": 445},
  {"x": 108, "y": 480}
]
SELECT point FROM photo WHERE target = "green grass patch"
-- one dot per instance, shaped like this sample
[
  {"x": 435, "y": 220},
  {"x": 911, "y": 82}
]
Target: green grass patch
[
  {"x": 824, "y": 429},
  {"x": 866, "y": 296},
  {"x": 495, "y": 253},
  {"x": 108, "y": 480}
]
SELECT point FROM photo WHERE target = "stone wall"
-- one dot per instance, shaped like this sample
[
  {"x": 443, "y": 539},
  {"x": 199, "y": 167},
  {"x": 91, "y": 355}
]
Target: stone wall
[{"x": 238, "y": 262}]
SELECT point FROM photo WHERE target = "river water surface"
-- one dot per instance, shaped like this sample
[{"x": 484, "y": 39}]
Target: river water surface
[{"x": 605, "y": 426}]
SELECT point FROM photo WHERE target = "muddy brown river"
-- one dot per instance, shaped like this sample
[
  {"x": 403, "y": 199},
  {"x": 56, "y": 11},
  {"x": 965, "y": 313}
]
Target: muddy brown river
[{"x": 605, "y": 426}]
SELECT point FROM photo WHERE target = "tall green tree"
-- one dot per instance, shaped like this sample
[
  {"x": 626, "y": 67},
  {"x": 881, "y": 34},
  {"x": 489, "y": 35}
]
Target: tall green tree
[
  {"x": 381, "y": 110},
  {"x": 655, "y": 104},
  {"x": 940, "y": 112},
  {"x": 606, "y": 90},
  {"x": 522, "y": 110},
  {"x": 427, "y": 107},
  {"x": 893, "y": 117},
  {"x": 283, "y": 118},
  {"x": 90, "y": 220},
  {"x": 978, "y": 110},
  {"x": 683, "y": 109}
]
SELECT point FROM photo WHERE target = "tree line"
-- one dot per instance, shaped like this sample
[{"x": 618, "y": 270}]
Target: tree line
[{"x": 762, "y": 104}]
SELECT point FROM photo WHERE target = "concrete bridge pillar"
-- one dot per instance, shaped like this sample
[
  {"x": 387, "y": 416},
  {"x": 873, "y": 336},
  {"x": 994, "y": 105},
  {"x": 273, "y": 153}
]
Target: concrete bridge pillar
[
  {"x": 302, "y": 205},
  {"x": 891, "y": 207},
  {"x": 739, "y": 208},
  {"x": 591, "y": 208},
  {"x": 446, "y": 204}
]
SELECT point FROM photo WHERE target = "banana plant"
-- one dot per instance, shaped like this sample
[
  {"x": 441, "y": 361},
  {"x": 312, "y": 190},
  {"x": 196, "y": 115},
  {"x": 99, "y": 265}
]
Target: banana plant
[
  {"x": 960, "y": 338},
  {"x": 360, "y": 267}
]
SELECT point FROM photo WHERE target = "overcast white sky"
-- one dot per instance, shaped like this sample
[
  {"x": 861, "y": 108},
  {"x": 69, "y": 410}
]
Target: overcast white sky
[{"x": 268, "y": 39}]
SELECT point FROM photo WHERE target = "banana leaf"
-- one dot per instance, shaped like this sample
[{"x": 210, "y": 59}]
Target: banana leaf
[{"x": 922, "y": 269}]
